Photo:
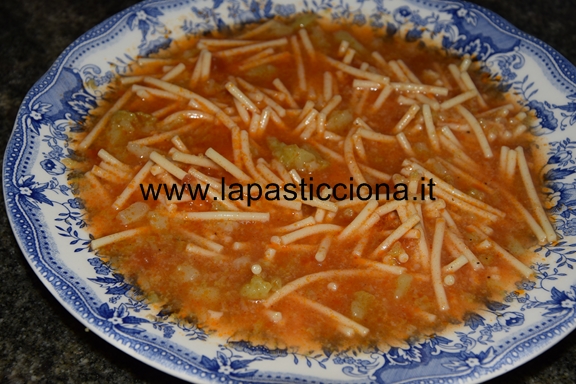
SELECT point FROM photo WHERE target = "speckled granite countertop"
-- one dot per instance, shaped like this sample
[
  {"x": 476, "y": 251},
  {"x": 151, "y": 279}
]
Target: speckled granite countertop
[{"x": 39, "y": 340}]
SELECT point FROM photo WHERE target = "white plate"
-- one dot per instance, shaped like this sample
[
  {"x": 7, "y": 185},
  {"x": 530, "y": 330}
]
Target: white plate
[{"x": 48, "y": 221}]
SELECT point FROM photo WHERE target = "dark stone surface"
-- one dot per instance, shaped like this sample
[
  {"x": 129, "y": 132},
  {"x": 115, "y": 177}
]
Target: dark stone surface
[{"x": 39, "y": 340}]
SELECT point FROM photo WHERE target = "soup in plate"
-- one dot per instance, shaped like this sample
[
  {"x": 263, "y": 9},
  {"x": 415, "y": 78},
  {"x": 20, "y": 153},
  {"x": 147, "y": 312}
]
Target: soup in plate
[{"x": 297, "y": 183}]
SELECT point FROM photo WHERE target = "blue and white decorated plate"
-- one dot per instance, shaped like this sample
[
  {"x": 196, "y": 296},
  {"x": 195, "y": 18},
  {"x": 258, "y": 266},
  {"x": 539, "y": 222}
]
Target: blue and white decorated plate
[{"x": 49, "y": 225}]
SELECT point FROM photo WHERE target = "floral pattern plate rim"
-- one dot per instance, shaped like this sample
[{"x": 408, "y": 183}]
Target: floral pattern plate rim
[{"x": 49, "y": 225}]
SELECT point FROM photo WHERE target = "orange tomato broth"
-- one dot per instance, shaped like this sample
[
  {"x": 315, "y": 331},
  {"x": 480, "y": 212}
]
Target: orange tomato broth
[{"x": 207, "y": 290}]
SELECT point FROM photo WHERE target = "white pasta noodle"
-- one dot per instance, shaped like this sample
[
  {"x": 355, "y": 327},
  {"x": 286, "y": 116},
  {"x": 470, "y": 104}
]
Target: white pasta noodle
[
  {"x": 97, "y": 185},
  {"x": 106, "y": 175},
  {"x": 420, "y": 88},
  {"x": 167, "y": 165},
  {"x": 191, "y": 248},
  {"x": 197, "y": 72},
  {"x": 456, "y": 74},
  {"x": 309, "y": 231},
  {"x": 409, "y": 74},
  {"x": 477, "y": 129},
  {"x": 297, "y": 225},
  {"x": 457, "y": 100},
  {"x": 368, "y": 209},
  {"x": 174, "y": 72},
  {"x": 392, "y": 269},
  {"x": 147, "y": 91},
  {"x": 323, "y": 248},
  {"x": 433, "y": 103},
  {"x": 381, "y": 99},
  {"x": 282, "y": 88},
  {"x": 251, "y": 48},
  {"x": 333, "y": 103},
  {"x": 327, "y": 205},
  {"x": 227, "y": 165},
  {"x": 405, "y": 144},
  {"x": 219, "y": 43},
  {"x": 458, "y": 155},
  {"x": 447, "y": 132},
  {"x": 119, "y": 172},
  {"x": 179, "y": 144},
  {"x": 204, "y": 242},
  {"x": 265, "y": 60},
  {"x": 101, "y": 125},
  {"x": 375, "y": 136},
  {"x": 193, "y": 159},
  {"x": 400, "y": 75},
  {"x": 455, "y": 265},
  {"x": 308, "y": 47},
  {"x": 309, "y": 279},
  {"x": 154, "y": 139},
  {"x": 467, "y": 80},
  {"x": 351, "y": 160},
  {"x": 299, "y": 64},
  {"x": 379, "y": 59},
  {"x": 238, "y": 94},
  {"x": 359, "y": 148},
  {"x": 345, "y": 321},
  {"x": 533, "y": 196},
  {"x": 406, "y": 119},
  {"x": 132, "y": 185},
  {"x": 509, "y": 258},
  {"x": 233, "y": 216},
  {"x": 347, "y": 59},
  {"x": 462, "y": 248},
  {"x": 357, "y": 72},
  {"x": 510, "y": 165},
  {"x": 398, "y": 233},
  {"x": 430, "y": 128},
  {"x": 436, "y": 266},
  {"x": 533, "y": 224},
  {"x": 116, "y": 237}
]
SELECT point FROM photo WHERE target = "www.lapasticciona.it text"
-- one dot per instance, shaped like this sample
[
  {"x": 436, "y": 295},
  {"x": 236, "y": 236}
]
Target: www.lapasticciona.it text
[{"x": 303, "y": 190}]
